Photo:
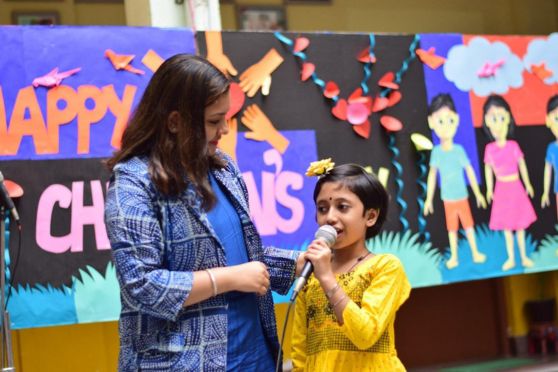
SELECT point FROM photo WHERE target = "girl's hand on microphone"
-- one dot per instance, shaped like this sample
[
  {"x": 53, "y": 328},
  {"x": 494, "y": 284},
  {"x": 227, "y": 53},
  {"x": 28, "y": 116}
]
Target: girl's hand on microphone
[{"x": 319, "y": 254}]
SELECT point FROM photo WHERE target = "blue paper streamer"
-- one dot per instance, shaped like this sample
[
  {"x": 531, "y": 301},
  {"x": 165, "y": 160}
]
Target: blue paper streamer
[
  {"x": 398, "y": 181},
  {"x": 367, "y": 66},
  {"x": 302, "y": 57},
  {"x": 404, "y": 66},
  {"x": 421, "y": 163}
]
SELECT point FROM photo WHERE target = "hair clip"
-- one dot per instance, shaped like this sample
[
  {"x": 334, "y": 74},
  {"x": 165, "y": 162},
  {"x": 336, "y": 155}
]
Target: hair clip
[{"x": 320, "y": 167}]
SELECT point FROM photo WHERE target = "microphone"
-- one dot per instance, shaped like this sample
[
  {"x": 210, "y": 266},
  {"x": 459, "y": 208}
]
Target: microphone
[
  {"x": 329, "y": 235},
  {"x": 6, "y": 201}
]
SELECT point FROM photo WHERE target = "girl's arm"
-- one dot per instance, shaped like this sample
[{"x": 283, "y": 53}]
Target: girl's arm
[
  {"x": 525, "y": 177},
  {"x": 489, "y": 182},
  {"x": 388, "y": 290},
  {"x": 545, "y": 202},
  {"x": 299, "y": 332}
]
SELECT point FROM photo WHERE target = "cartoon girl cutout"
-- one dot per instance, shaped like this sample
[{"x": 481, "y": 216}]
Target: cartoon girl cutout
[{"x": 504, "y": 161}]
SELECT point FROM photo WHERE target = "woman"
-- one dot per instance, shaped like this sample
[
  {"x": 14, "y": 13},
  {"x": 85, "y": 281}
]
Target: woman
[
  {"x": 511, "y": 208},
  {"x": 195, "y": 280}
]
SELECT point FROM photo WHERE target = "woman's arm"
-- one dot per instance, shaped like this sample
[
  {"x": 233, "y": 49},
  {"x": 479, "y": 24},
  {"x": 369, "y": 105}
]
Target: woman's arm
[
  {"x": 489, "y": 182},
  {"x": 136, "y": 238},
  {"x": 283, "y": 266},
  {"x": 248, "y": 277}
]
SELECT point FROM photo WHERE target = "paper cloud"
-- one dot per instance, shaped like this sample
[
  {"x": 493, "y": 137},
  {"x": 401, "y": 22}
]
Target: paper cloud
[
  {"x": 464, "y": 62},
  {"x": 544, "y": 51}
]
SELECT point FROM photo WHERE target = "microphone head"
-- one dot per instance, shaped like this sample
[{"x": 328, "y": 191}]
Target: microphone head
[{"x": 328, "y": 234}]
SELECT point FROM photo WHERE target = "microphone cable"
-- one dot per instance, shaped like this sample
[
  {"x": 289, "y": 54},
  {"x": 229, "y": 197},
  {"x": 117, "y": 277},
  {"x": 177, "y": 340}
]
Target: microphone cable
[
  {"x": 280, "y": 356},
  {"x": 16, "y": 262}
]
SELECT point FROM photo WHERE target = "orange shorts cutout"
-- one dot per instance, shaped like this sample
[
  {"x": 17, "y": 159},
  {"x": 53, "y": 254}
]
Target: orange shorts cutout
[{"x": 456, "y": 211}]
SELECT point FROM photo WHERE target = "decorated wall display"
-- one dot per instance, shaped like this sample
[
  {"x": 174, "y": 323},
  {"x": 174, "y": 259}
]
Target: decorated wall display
[{"x": 462, "y": 131}]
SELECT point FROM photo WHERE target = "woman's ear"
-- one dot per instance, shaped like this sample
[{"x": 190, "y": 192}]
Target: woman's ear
[
  {"x": 372, "y": 216},
  {"x": 173, "y": 122}
]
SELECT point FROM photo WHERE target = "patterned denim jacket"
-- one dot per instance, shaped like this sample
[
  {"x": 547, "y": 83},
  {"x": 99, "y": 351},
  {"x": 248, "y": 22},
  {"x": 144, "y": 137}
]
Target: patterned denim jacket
[{"x": 157, "y": 242}]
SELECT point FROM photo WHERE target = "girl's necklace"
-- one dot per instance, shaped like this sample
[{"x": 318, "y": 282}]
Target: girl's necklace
[{"x": 358, "y": 260}]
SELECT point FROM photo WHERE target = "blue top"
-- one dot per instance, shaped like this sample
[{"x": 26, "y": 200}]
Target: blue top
[
  {"x": 247, "y": 349},
  {"x": 552, "y": 158},
  {"x": 450, "y": 164}
]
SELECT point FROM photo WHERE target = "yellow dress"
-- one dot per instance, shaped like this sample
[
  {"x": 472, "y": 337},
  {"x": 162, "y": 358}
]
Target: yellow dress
[{"x": 365, "y": 342}]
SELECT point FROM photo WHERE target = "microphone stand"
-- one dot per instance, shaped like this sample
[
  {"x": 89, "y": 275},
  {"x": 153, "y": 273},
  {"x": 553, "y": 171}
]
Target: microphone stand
[{"x": 7, "y": 354}]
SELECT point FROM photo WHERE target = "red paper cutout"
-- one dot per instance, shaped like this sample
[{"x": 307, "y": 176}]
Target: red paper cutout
[
  {"x": 300, "y": 44},
  {"x": 331, "y": 90},
  {"x": 355, "y": 95},
  {"x": 14, "y": 190},
  {"x": 340, "y": 110},
  {"x": 366, "y": 101},
  {"x": 237, "y": 98},
  {"x": 429, "y": 58},
  {"x": 307, "y": 71},
  {"x": 54, "y": 78},
  {"x": 541, "y": 71},
  {"x": 391, "y": 124},
  {"x": 394, "y": 97},
  {"x": 363, "y": 130},
  {"x": 380, "y": 103},
  {"x": 365, "y": 57},
  {"x": 387, "y": 81}
]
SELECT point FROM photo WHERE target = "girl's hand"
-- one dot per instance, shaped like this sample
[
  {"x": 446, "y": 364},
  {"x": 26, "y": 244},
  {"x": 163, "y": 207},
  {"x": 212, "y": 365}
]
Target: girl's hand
[
  {"x": 300, "y": 261},
  {"x": 251, "y": 277},
  {"x": 489, "y": 196},
  {"x": 319, "y": 254}
]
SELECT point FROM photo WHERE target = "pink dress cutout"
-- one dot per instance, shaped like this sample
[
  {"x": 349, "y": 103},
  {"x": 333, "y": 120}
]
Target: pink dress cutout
[{"x": 511, "y": 207}]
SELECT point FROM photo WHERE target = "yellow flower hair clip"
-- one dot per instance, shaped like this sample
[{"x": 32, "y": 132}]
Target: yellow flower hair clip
[{"x": 320, "y": 167}]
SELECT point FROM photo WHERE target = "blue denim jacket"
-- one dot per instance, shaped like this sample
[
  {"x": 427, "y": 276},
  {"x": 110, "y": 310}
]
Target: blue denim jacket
[{"x": 157, "y": 243}]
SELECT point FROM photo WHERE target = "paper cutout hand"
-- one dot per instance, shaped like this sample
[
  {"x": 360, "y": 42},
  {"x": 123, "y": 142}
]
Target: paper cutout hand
[
  {"x": 489, "y": 196},
  {"x": 223, "y": 63},
  {"x": 545, "y": 201},
  {"x": 262, "y": 128},
  {"x": 215, "y": 53},
  {"x": 228, "y": 141},
  {"x": 259, "y": 73}
]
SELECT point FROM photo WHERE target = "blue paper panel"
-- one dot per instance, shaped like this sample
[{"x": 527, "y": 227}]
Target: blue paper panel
[
  {"x": 281, "y": 200},
  {"x": 30, "y": 52},
  {"x": 436, "y": 83}
]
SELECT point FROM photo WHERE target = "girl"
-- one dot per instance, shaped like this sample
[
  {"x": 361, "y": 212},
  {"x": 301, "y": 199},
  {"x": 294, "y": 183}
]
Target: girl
[
  {"x": 511, "y": 208},
  {"x": 344, "y": 317}
]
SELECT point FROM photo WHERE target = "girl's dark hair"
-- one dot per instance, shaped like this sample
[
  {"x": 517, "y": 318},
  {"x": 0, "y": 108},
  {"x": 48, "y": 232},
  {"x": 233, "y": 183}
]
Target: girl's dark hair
[
  {"x": 186, "y": 84},
  {"x": 552, "y": 104},
  {"x": 366, "y": 186},
  {"x": 497, "y": 101},
  {"x": 441, "y": 100}
]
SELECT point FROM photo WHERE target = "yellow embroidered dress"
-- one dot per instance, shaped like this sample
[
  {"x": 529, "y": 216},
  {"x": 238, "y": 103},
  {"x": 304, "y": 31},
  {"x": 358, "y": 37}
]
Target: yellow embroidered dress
[{"x": 365, "y": 342}]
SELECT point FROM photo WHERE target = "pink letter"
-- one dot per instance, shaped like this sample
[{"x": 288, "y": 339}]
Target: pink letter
[
  {"x": 90, "y": 215},
  {"x": 52, "y": 195}
]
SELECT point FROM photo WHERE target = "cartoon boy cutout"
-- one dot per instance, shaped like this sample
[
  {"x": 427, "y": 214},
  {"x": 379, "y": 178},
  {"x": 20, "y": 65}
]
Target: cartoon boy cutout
[
  {"x": 450, "y": 160},
  {"x": 551, "y": 160}
]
